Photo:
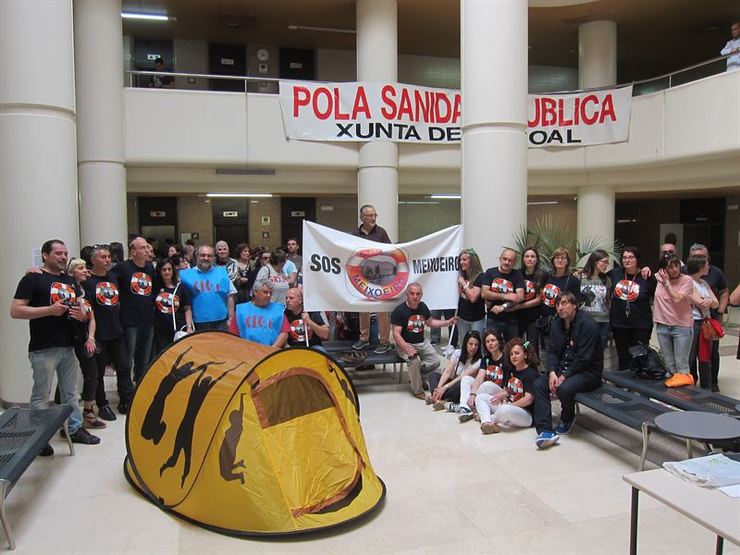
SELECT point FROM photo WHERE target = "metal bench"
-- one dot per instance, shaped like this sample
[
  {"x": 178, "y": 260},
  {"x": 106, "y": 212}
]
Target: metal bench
[
  {"x": 684, "y": 398},
  {"x": 23, "y": 434},
  {"x": 627, "y": 408},
  {"x": 366, "y": 357}
]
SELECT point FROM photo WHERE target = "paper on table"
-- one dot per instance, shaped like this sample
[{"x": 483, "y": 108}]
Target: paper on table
[
  {"x": 711, "y": 471},
  {"x": 732, "y": 491}
]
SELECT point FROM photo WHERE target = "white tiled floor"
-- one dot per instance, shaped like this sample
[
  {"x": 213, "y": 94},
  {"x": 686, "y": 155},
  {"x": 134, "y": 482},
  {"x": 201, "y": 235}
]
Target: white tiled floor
[{"x": 450, "y": 490}]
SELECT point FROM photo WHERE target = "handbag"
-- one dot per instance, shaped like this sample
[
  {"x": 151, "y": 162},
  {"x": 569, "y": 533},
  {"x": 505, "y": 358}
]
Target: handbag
[{"x": 712, "y": 330}]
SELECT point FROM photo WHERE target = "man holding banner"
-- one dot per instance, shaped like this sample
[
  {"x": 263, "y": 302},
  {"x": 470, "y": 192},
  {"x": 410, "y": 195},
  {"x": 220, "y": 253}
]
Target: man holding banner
[
  {"x": 408, "y": 320},
  {"x": 372, "y": 232}
]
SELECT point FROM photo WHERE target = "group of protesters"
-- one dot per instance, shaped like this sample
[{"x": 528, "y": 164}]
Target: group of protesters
[{"x": 100, "y": 310}]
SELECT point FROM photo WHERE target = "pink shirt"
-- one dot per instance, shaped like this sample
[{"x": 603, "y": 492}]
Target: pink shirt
[{"x": 665, "y": 311}]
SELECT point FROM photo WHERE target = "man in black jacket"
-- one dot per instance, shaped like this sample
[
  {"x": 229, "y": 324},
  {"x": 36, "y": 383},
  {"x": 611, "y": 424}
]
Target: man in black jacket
[{"x": 575, "y": 362}]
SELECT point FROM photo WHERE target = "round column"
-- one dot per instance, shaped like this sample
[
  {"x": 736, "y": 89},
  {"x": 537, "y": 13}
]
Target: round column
[
  {"x": 38, "y": 160},
  {"x": 596, "y": 215},
  {"x": 597, "y": 67},
  {"x": 597, "y": 54},
  {"x": 100, "y": 149},
  {"x": 494, "y": 107},
  {"x": 377, "y": 60}
]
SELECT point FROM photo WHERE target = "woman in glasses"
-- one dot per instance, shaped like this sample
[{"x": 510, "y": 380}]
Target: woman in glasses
[
  {"x": 273, "y": 271},
  {"x": 630, "y": 314}
]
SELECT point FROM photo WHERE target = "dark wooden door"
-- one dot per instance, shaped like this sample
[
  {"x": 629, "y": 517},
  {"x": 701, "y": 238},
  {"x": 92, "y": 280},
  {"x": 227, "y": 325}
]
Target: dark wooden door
[
  {"x": 293, "y": 211},
  {"x": 227, "y": 59}
]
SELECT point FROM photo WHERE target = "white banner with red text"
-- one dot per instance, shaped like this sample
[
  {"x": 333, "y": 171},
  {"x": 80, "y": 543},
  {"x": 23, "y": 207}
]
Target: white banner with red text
[
  {"x": 344, "y": 272},
  {"x": 369, "y": 111}
]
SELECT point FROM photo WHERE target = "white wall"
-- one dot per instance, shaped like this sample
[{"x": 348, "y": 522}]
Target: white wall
[{"x": 686, "y": 137}]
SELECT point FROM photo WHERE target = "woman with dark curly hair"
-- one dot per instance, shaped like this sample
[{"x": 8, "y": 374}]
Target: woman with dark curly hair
[{"x": 513, "y": 404}]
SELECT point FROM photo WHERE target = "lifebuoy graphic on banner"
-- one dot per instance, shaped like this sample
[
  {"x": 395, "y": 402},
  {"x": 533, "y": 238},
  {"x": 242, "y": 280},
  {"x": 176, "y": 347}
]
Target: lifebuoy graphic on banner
[{"x": 378, "y": 274}]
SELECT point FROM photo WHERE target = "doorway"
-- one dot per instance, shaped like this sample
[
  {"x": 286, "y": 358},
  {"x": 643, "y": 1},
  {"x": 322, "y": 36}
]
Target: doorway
[
  {"x": 293, "y": 211},
  {"x": 227, "y": 59},
  {"x": 230, "y": 221}
]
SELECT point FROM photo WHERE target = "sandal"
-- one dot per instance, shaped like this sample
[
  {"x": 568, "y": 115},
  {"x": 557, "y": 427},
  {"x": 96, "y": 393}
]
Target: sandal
[{"x": 91, "y": 421}]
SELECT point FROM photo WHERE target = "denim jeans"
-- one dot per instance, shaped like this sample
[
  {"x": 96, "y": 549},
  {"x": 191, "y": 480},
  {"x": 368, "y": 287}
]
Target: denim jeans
[
  {"x": 45, "y": 363},
  {"x": 509, "y": 329},
  {"x": 139, "y": 344},
  {"x": 675, "y": 346},
  {"x": 464, "y": 326},
  {"x": 435, "y": 334}
]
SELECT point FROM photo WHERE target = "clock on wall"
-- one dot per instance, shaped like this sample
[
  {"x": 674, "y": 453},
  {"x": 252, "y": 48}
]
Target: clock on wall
[{"x": 263, "y": 54}]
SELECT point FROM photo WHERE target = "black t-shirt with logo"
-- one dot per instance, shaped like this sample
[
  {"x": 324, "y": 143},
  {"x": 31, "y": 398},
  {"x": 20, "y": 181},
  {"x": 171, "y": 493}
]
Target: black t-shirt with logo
[
  {"x": 103, "y": 293},
  {"x": 168, "y": 297},
  {"x": 412, "y": 321},
  {"x": 555, "y": 285},
  {"x": 472, "y": 312},
  {"x": 521, "y": 382},
  {"x": 495, "y": 370},
  {"x": 633, "y": 291},
  {"x": 502, "y": 283},
  {"x": 532, "y": 288},
  {"x": 45, "y": 289},
  {"x": 137, "y": 293},
  {"x": 296, "y": 327}
]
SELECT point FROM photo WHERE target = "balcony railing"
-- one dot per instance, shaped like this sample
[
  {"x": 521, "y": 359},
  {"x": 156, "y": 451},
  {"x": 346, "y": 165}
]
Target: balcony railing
[{"x": 270, "y": 85}]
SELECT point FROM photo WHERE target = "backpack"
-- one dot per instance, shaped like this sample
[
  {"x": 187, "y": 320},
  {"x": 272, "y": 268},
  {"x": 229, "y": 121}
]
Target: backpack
[{"x": 646, "y": 363}]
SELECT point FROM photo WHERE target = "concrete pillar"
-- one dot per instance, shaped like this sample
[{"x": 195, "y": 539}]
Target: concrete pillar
[
  {"x": 596, "y": 215},
  {"x": 597, "y": 54},
  {"x": 100, "y": 150},
  {"x": 597, "y": 67},
  {"x": 38, "y": 160},
  {"x": 494, "y": 142},
  {"x": 377, "y": 60}
]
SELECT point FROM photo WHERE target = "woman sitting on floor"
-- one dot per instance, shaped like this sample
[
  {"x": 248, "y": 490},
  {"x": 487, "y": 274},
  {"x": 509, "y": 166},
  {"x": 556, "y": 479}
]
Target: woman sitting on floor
[
  {"x": 493, "y": 371},
  {"x": 512, "y": 405},
  {"x": 464, "y": 362}
]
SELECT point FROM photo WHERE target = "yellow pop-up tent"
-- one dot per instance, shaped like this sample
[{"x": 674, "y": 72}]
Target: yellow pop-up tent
[{"x": 245, "y": 439}]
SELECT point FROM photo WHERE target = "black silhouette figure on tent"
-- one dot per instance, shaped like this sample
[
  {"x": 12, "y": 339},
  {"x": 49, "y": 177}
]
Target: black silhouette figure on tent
[
  {"x": 153, "y": 426},
  {"x": 227, "y": 453},
  {"x": 202, "y": 385}
]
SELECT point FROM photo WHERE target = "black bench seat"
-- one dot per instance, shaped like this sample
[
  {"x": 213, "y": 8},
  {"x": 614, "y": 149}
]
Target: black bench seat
[
  {"x": 630, "y": 409},
  {"x": 684, "y": 398},
  {"x": 23, "y": 434}
]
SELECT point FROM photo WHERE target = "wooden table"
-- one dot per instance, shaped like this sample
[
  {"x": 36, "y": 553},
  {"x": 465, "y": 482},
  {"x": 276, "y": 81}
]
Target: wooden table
[{"x": 707, "y": 506}]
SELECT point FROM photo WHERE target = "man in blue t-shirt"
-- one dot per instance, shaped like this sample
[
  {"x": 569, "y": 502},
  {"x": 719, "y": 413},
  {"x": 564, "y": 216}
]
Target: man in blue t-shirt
[
  {"x": 259, "y": 320},
  {"x": 212, "y": 292}
]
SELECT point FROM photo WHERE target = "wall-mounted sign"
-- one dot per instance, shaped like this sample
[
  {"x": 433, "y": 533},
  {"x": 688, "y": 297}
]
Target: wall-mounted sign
[
  {"x": 157, "y": 214},
  {"x": 231, "y": 214},
  {"x": 296, "y": 65},
  {"x": 298, "y": 214},
  {"x": 152, "y": 57},
  {"x": 227, "y": 61},
  {"x": 265, "y": 220}
]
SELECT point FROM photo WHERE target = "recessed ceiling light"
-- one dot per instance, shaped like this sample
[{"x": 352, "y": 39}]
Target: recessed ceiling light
[{"x": 147, "y": 16}]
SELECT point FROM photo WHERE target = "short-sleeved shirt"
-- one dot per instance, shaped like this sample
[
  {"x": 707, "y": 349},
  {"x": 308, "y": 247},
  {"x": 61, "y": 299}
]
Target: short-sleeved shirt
[
  {"x": 670, "y": 313},
  {"x": 167, "y": 301},
  {"x": 279, "y": 280},
  {"x": 633, "y": 291},
  {"x": 412, "y": 321},
  {"x": 595, "y": 297},
  {"x": 104, "y": 295},
  {"x": 495, "y": 370},
  {"x": 460, "y": 367},
  {"x": 136, "y": 288},
  {"x": 296, "y": 259},
  {"x": 260, "y": 324},
  {"x": 521, "y": 382},
  {"x": 209, "y": 292},
  {"x": 554, "y": 285},
  {"x": 45, "y": 289},
  {"x": 532, "y": 289},
  {"x": 472, "y": 312},
  {"x": 502, "y": 283},
  {"x": 296, "y": 328}
]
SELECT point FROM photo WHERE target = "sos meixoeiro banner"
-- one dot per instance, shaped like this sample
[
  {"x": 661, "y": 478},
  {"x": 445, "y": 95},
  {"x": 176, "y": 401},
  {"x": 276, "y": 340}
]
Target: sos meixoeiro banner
[
  {"x": 370, "y": 111},
  {"x": 344, "y": 272}
]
